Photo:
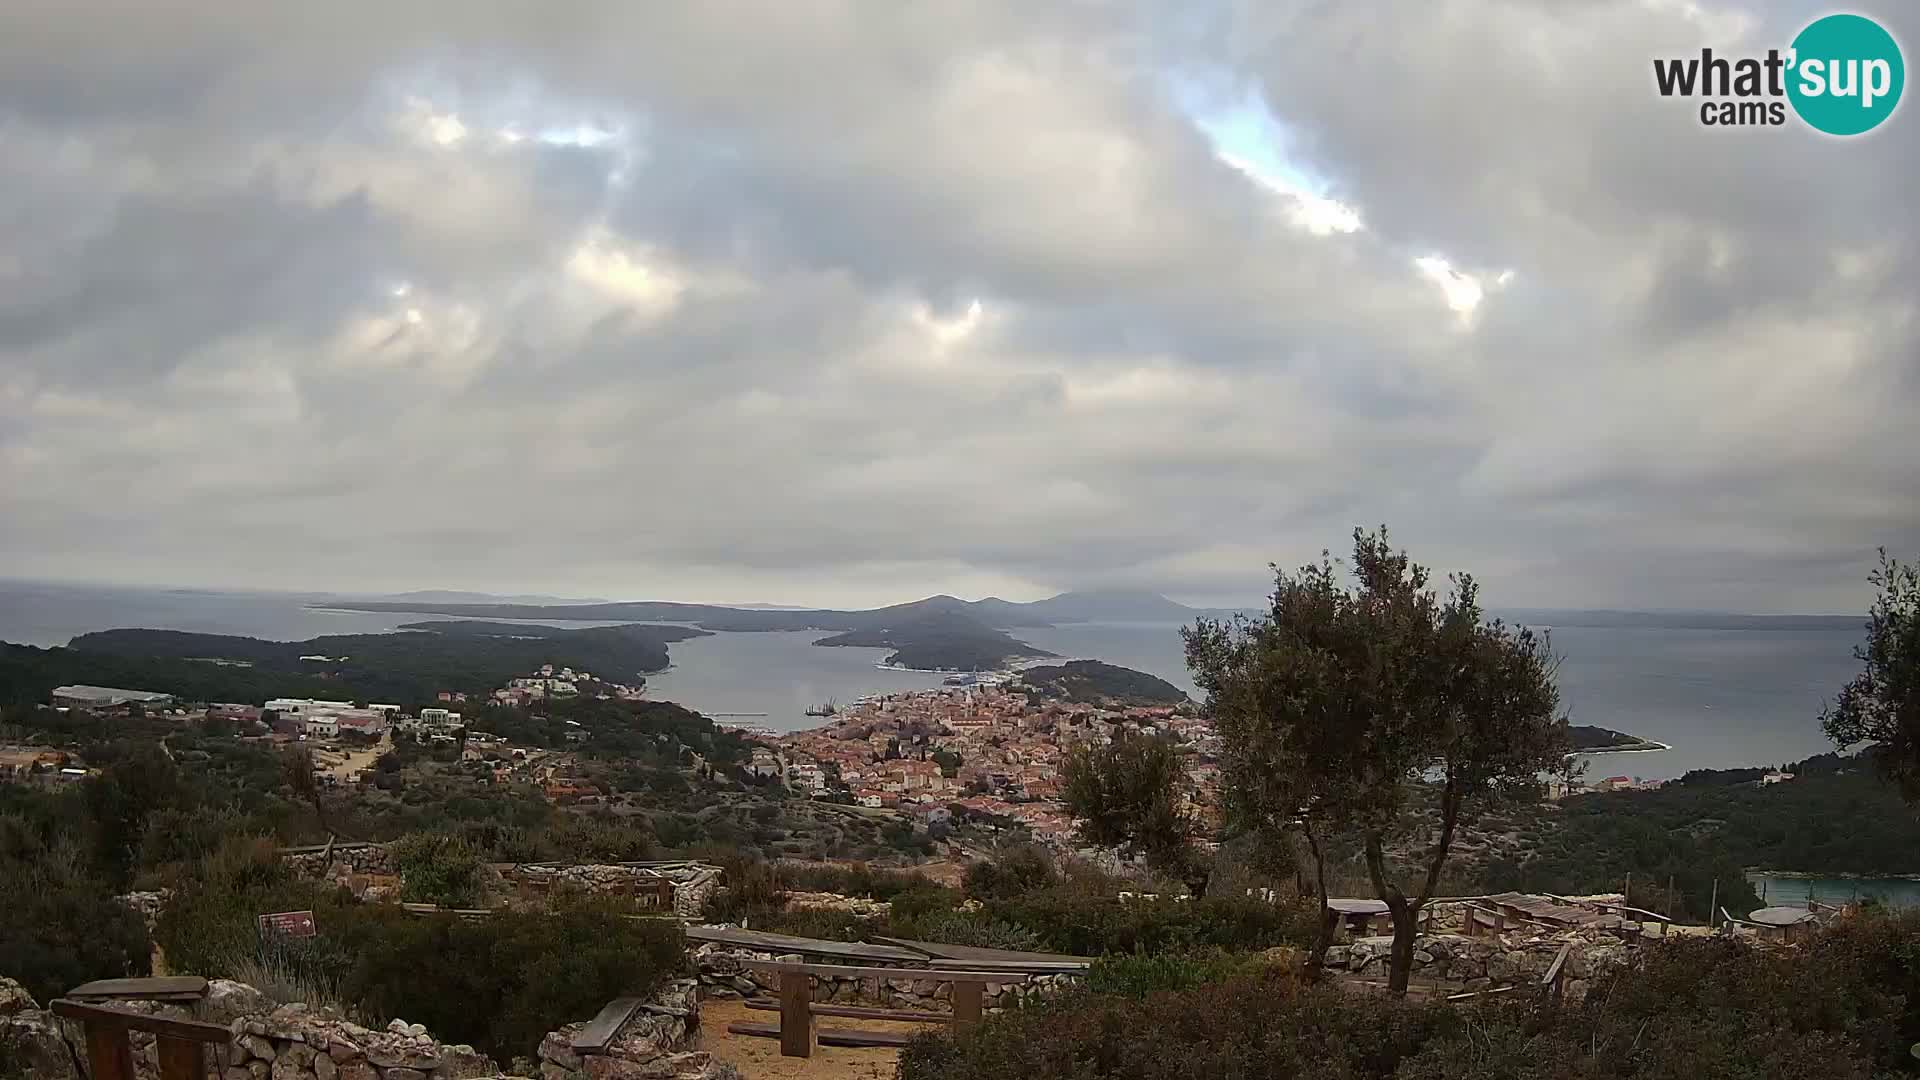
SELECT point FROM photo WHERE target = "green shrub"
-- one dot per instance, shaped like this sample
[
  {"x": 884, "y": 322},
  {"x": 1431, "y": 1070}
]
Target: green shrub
[
  {"x": 1258, "y": 1026},
  {"x": 211, "y": 927},
  {"x": 1146, "y": 973},
  {"x": 1025, "y": 869},
  {"x": 60, "y": 925},
  {"x": 1070, "y": 920},
  {"x": 1845, "y": 1005},
  {"x": 438, "y": 869},
  {"x": 503, "y": 982}
]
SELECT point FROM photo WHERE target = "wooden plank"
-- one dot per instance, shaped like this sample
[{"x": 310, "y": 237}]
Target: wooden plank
[
  {"x": 971, "y": 953},
  {"x": 787, "y": 943},
  {"x": 181, "y": 1059},
  {"x": 966, "y": 1005},
  {"x": 939, "y": 975},
  {"x": 1559, "y": 961},
  {"x": 605, "y": 1024},
  {"x": 860, "y": 1012},
  {"x": 796, "y": 1015},
  {"x": 830, "y": 1036},
  {"x": 141, "y": 989},
  {"x": 1471, "y": 994},
  {"x": 107, "y": 1016},
  {"x": 1028, "y": 966}
]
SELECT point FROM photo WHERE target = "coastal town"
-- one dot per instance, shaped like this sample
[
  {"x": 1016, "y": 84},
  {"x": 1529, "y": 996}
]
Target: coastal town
[{"x": 985, "y": 746}]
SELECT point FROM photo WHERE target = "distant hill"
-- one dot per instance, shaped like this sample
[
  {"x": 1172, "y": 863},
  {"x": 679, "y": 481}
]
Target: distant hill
[
  {"x": 1096, "y": 683},
  {"x": 940, "y": 641},
  {"x": 941, "y": 632},
  {"x": 1087, "y": 606},
  {"x": 404, "y": 668},
  {"x": 447, "y": 596},
  {"x": 1117, "y": 605}
]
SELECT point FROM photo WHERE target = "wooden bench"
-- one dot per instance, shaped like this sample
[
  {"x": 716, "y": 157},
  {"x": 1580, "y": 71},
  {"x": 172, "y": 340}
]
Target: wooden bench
[
  {"x": 599, "y": 1031},
  {"x": 181, "y": 1044},
  {"x": 796, "y": 1028},
  {"x": 175, "y": 988}
]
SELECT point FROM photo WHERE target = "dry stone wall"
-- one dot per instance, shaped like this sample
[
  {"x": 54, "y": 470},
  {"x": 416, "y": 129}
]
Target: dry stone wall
[
  {"x": 723, "y": 974},
  {"x": 1482, "y": 963},
  {"x": 325, "y": 861},
  {"x": 295, "y": 1042}
]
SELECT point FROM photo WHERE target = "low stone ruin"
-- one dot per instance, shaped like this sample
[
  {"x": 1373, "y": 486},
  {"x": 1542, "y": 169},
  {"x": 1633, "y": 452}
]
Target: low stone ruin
[
  {"x": 1483, "y": 963},
  {"x": 858, "y": 906},
  {"x": 724, "y": 974},
  {"x": 654, "y": 1044},
  {"x": 360, "y": 858},
  {"x": 297, "y": 1042},
  {"x": 692, "y": 882},
  {"x": 367, "y": 870}
]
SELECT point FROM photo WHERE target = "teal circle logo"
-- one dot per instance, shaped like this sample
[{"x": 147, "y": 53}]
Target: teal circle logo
[{"x": 1846, "y": 74}]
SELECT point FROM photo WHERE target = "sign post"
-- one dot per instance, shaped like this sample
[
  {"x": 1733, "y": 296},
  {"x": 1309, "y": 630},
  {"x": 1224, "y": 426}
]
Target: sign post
[{"x": 293, "y": 924}]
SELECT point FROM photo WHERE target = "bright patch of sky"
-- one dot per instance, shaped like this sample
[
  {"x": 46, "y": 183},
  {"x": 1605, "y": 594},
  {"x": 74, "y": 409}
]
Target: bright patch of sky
[{"x": 1246, "y": 136}]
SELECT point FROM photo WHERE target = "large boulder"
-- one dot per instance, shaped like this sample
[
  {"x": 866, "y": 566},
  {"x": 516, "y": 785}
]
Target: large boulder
[
  {"x": 33, "y": 1043},
  {"x": 14, "y": 998},
  {"x": 227, "y": 1001}
]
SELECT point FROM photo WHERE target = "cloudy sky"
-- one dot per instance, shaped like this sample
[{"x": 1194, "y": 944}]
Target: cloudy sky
[{"x": 833, "y": 302}]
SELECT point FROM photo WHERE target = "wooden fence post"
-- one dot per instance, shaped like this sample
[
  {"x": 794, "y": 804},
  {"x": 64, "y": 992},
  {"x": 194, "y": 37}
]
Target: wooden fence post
[
  {"x": 967, "y": 1002},
  {"x": 796, "y": 1014}
]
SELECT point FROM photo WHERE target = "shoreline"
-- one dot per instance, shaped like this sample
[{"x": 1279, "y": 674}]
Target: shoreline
[{"x": 1644, "y": 746}]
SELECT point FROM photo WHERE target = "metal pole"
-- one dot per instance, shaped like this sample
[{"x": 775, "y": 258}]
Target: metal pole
[{"x": 1713, "y": 905}]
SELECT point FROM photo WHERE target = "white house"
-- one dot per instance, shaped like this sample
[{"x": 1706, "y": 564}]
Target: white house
[{"x": 322, "y": 727}]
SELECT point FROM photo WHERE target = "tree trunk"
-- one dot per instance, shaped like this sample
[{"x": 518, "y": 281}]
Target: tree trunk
[
  {"x": 1400, "y": 960},
  {"x": 1323, "y": 938}
]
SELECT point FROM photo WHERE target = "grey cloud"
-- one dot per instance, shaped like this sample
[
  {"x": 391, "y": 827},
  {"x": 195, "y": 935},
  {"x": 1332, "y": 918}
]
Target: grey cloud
[{"x": 261, "y": 322}]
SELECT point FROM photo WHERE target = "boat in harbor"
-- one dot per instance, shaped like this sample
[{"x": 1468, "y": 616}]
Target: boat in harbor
[{"x": 829, "y": 709}]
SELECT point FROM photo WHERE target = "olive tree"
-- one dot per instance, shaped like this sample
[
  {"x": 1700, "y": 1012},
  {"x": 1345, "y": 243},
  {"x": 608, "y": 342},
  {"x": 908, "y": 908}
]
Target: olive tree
[
  {"x": 1346, "y": 703},
  {"x": 1127, "y": 794},
  {"x": 1881, "y": 705}
]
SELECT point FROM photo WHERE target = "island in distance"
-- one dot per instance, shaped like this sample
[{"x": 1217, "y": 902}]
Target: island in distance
[{"x": 939, "y": 633}]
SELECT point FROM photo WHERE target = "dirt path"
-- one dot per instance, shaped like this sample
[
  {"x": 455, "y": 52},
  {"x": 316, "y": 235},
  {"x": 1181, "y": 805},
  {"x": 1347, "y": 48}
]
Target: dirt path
[
  {"x": 759, "y": 1059},
  {"x": 360, "y": 760}
]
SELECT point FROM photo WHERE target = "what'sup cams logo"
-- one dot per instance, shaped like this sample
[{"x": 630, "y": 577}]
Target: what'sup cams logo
[{"x": 1842, "y": 75}]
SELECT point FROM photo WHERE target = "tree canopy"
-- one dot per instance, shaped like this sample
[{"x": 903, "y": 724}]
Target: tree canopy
[
  {"x": 1342, "y": 700},
  {"x": 1882, "y": 703}
]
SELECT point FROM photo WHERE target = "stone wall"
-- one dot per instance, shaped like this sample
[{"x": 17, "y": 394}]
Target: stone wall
[
  {"x": 692, "y": 882},
  {"x": 287, "y": 1042},
  {"x": 1485, "y": 962},
  {"x": 295, "y": 1042},
  {"x": 723, "y": 973},
  {"x": 325, "y": 862},
  {"x": 653, "y": 1044}
]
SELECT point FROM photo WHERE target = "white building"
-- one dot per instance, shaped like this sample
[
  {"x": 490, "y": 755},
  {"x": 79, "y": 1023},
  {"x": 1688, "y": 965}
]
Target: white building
[
  {"x": 82, "y": 696},
  {"x": 322, "y": 727},
  {"x": 304, "y": 707}
]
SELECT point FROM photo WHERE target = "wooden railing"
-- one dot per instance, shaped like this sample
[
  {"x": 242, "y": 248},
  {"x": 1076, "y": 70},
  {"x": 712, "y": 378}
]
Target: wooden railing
[
  {"x": 796, "y": 1030},
  {"x": 182, "y": 1044}
]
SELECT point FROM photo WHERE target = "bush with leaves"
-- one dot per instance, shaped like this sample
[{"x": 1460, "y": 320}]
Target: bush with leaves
[
  {"x": 1844, "y": 1005},
  {"x": 439, "y": 870},
  {"x": 1013, "y": 873},
  {"x": 60, "y": 924},
  {"x": 503, "y": 982},
  {"x": 1140, "y": 974},
  {"x": 1071, "y": 920}
]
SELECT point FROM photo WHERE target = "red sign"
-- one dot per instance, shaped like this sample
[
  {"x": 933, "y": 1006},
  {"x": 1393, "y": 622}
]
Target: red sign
[{"x": 289, "y": 924}]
